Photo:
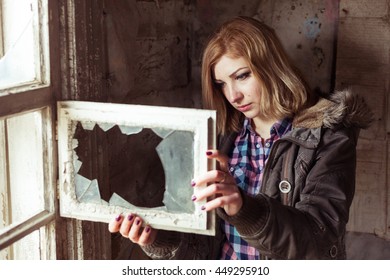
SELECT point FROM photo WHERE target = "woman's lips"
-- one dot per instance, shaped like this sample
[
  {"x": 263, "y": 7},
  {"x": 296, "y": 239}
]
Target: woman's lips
[{"x": 244, "y": 108}]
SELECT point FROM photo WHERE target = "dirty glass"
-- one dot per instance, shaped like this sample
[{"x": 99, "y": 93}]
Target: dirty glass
[
  {"x": 19, "y": 57},
  {"x": 21, "y": 167},
  {"x": 148, "y": 167},
  {"x": 22, "y": 179}
]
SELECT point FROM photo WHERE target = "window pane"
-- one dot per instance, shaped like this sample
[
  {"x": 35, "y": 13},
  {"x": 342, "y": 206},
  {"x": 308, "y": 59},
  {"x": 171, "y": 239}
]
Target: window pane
[
  {"x": 24, "y": 150},
  {"x": 20, "y": 62},
  {"x": 168, "y": 151},
  {"x": 27, "y": 248}
]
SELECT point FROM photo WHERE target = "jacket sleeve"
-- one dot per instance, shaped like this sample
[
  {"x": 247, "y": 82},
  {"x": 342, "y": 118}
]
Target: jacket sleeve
[{"x": 314, "y": 226}]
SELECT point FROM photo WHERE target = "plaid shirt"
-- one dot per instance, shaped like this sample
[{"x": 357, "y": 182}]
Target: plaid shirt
[{"x": 246, "y": 165}]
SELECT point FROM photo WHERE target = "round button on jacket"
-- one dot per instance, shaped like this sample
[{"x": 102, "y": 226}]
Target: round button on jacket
[
  {"x": 285, "y": 186},
  {"x": 333, "y": 251}
]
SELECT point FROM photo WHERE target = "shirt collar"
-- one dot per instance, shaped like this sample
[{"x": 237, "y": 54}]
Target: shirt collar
[
  {"x": 279, "y": 128},
  {"x": 246, "y": 128}
]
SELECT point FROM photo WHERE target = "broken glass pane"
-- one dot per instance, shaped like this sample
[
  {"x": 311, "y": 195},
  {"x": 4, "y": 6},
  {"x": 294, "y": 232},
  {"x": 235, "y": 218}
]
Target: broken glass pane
[
  {"x": 178, "y": 162},
  {"x": 91, "y": 194},
  {"x": 88, "y": 125},
  {"x": 106, "y": 126},
  {"x": 163, "y": 133},
  {"x": 148, "y": 168},
  {"x": 82, "y": 185},
  {"x": 130, "y": 130}
]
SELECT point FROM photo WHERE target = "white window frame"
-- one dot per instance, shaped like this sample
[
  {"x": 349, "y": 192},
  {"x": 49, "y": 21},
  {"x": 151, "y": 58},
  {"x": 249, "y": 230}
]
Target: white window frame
[
  {"x": 21, "y": 99},
  {"x": 200, "y": 122},
  {"x": 42, "y": 50}
]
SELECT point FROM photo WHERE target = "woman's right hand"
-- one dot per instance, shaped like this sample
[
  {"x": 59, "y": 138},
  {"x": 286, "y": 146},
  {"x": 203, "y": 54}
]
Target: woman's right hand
[{"x": 130, "y": 226}]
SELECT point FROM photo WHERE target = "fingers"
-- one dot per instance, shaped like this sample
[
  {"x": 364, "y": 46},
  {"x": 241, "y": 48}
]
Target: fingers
[
  {"x": 220, "y": 175},
  {"x": 221, "y": 158},
  {"x": 231, "y": 203},
  {"x": 131, "y": 227},
  {"x": 222, "y": 190},
  {"x": 227, "y": 196},
  {"x": 135, "y": 230},
  {"x": 212, "y": 177},
  {"x": 146, "y": 236},
  {"x": 127, "y": 223},
  {"x": 115, "y": 224},
  {"x": 215, "y": 190}
]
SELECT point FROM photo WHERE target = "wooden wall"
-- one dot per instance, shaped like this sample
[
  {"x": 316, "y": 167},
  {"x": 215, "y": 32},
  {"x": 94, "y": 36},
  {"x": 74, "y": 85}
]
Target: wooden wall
[{"x": 363, "y": 50}]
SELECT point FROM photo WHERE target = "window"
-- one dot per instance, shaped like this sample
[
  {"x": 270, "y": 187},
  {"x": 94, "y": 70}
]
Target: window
[
  {"x": 23, "y": 57},
  {"x": 26, "y": 138},
  {"x": 185, "y": 134}
]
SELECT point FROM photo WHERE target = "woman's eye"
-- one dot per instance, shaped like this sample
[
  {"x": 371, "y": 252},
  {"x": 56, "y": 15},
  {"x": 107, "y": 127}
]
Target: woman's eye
[
  {"x": 243, "y": 76},
  {"x": 220, "y": 85}
]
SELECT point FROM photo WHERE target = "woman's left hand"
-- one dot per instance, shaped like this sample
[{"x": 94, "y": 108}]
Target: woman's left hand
[{"x": 222, "y": 190}]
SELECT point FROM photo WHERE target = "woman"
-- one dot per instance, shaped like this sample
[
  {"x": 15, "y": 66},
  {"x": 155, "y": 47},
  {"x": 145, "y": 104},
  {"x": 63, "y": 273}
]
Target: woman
[{"x": 287, "y": 158}]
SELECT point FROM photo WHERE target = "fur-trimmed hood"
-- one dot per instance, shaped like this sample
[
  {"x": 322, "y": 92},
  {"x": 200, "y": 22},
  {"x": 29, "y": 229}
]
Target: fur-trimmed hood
[{"x": 340, "y": 108}]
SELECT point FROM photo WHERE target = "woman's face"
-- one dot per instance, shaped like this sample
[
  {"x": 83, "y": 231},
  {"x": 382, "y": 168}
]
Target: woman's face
[{"x": 240, "y": 87}]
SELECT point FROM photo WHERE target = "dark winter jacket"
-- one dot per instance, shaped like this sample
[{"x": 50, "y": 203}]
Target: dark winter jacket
[{"x": 307, "y": 189}]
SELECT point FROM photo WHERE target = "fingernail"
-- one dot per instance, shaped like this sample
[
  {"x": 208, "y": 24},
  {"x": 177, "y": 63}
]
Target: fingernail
[
  {"x": 193, "y": 183},
  {"x": 203, "y": 207},
  {"x": 147, "y": 229},
  {"x": 137, "y": 222},
  {"x": 193, "y": 198},
  {"x": 209, "y": 153},
  {"x": 130, "y": 217},
  {"x": 117, "y": 218}
]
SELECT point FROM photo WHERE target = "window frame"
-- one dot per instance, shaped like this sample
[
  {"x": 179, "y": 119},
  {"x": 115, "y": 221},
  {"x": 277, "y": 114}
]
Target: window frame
[
  {"x": 200, "y": 122},
  {"x": 77, "y": 65},
  {"x": 25, "y": 98},
  {"x": 42, "y": 221},
  {"x": 42, "y": 52}
]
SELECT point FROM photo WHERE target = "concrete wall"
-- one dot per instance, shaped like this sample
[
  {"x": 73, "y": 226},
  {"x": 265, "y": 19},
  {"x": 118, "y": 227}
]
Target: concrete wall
[{"x": 154, "y": 52}]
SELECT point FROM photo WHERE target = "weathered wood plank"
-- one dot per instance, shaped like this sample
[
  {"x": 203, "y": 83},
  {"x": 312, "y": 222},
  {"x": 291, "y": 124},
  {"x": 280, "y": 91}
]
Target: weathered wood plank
[
  {"x": 13, "y": 104},
  {"x": 369, "y": 207}
]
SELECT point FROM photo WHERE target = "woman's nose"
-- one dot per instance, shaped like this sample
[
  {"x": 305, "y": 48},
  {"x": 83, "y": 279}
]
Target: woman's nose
[{"x": 233, "y": 94}]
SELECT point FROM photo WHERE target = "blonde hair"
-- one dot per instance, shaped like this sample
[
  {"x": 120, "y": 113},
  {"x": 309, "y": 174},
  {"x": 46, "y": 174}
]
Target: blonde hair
[{"x": 284, "y": 92}]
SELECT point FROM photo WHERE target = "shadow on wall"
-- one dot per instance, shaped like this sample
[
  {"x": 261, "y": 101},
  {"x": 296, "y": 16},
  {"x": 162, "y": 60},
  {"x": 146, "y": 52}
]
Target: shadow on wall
[{"x": 365, "y": 246}]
